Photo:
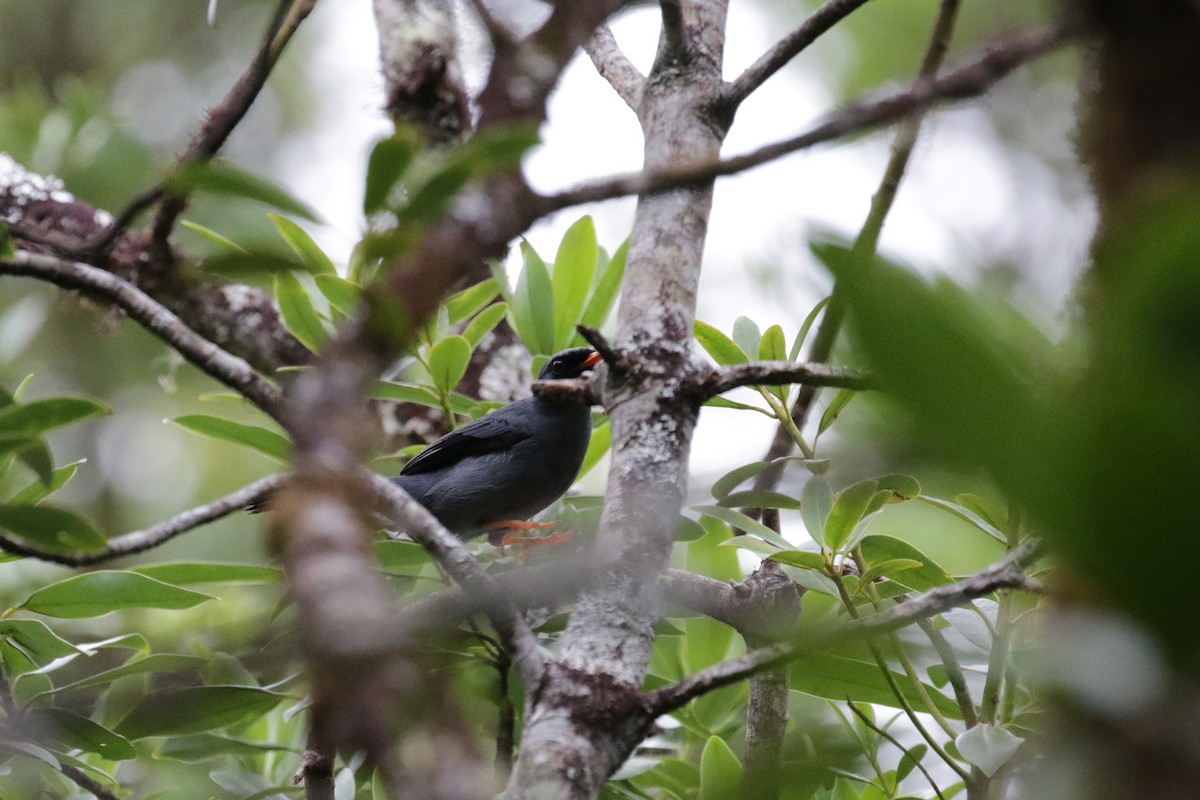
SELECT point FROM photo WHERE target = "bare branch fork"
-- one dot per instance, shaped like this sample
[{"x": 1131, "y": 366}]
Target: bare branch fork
[
  {"x": 140, "y": 541},
  {"x": 1007, "y": 573},
  {"x": 154, "y": 317},
  {"x": 970, "y": 80}
]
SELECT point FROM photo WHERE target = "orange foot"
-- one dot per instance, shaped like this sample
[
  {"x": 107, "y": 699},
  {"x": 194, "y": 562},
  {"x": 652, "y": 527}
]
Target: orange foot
[{"x": 506, "y": 532}]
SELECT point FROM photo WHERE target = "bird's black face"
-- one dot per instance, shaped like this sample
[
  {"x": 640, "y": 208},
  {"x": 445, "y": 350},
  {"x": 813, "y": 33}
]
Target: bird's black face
[{"x": 569, "y": 363}]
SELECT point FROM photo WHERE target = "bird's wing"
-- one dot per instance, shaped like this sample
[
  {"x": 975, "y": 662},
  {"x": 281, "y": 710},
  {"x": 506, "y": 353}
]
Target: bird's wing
[{"x": 490, "y": 434}]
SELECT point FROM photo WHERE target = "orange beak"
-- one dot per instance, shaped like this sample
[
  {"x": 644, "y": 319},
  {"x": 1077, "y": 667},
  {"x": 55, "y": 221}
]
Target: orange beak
[{"x": 592, "y": 360}]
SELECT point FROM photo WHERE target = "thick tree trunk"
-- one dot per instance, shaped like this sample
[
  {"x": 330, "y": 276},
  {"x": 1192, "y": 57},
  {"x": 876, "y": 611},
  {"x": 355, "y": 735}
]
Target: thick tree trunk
[{"x": 587, "y": 720}]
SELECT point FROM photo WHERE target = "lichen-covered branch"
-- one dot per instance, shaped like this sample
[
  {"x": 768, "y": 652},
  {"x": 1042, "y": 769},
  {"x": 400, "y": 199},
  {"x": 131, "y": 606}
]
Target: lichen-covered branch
[
  {"x": 42, "y": 216},
  {"x": 148, "y": 538},
  {"x": 154, "y": 317},
  {"x": 422, "y": 73}
]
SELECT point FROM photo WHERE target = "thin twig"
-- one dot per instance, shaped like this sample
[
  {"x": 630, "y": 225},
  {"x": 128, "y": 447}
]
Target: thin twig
[
  {"x": 970, "y": 80},
  {"x": 954, "y": 673},
  {"x": 216, "y": 129},
  {"x": 1008, "y": 572},
  {"x": 830, "y": 326},
  {"x": 788, "y": 48},
  {"x": 140, "y": 541},
  {"x": 154, "y": 317},
  {"x": 406, "y": 514},
  {"x": 895, "y": 743},
  {"x": 615, "y": 67}
]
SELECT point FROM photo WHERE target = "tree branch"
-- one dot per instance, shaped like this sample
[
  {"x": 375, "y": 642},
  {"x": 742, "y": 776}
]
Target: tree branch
[
  {"x": 42, "y": 215},
  {"x": 406, "y": 514},
  {"x": 140, "y": 541},
  {"x": 1007, "y": 573},
  {"x": 87, "y": 783},
  {"x": 787, "y": 48},
  {"x": 154, "y": 317},
  {"x": 776, "y": 373},
  {"x": 216, "y": 129},
  {"x": 615, "y": 67},
  {"x": 970, "y": 80}
]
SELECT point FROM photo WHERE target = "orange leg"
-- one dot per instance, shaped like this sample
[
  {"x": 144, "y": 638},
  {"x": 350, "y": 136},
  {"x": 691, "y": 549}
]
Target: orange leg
[{"x": 506, "y": 532}]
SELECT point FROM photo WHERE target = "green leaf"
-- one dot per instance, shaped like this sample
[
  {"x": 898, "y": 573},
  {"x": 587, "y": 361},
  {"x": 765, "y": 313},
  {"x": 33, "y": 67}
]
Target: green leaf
[
  {"x": 772, "y": 347},
  {"x": 533, "y": 304},
  {"x": 604, "y": 293},
  {"x": 428, "y": 199},
  {"x": 909, "y": 761},
  {"x": 841, "y": 677},
  {"x": 877, "y": 549},
  {"x": 221, "y": 241},
  {"x": 760, "y": 498},
  {"x": 405, "y": 393},
  {"x": 739, "y": 520},
  {"x": 798, "y": 342},
  {"x": 735, "y": 477},
  {"x": 720, "y": 771},
  {"x": 302, "y": 244},
  {"x": 390, "y": 159},
  {"x": 70, "y": 731},
  {"x": 448, "y": 362},
  {"x": 574, "y": 265},
  {"x": 36, "y": 639},
  {"x": 800, "y": 558},
  {"x": 401, "y": 558},
  {"x": 722, "y": 349},
  {"x": 55, "y": 529},
  {"x": 157, "y": 662},
  {"x": 471, "y": 300},
  {"x": 342, "y": 294},
  {"x": 41, "y": 416},
  {"x": 38, "y": 490},
  {"x": 722, "y": 402},
  {"x": 835, "y": 408},
  {"x": 225, "y": 179},
  {"x": 752, "y": 544},
  {"x": 815, "y": 502},
  {"x": 298, "y": 313},
  {"x": 195, "y": 709},
  {"x": 902, "y": 487},
  {"x": 497, "y": 147},
  {"x": 30, "y": 749},
  {"x": 483, "y": 324},
  {"x": 849, "y": 506},
  {"x": 966, "y": 515},
  {"x": 204, "y": 746},
  {"x": 94, "y": 594},
  {"x": 599, "y": 444},
  {"x": 268, "y": 442},
  {"x": 746, "y": 334},
  {"x": 988, "y": 747},
  {"x": 186, "y": 573},
  {"x": 247, "y": 265},
  {"x": 890, "y": 568}
]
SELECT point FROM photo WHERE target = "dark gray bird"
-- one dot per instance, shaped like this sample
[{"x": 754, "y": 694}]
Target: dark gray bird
[{"x": 494, "y": 473}]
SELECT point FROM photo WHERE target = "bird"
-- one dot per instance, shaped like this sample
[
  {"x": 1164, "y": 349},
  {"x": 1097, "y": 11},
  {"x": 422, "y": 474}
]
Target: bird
[{"x": 491, "y": 475}]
